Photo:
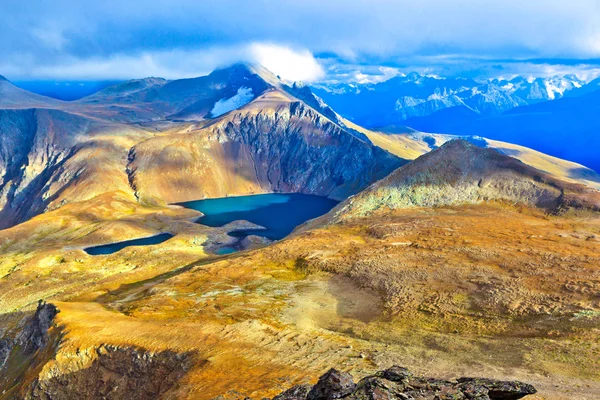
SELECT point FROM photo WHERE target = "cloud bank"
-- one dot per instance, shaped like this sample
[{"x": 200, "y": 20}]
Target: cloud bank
[{"x": 303, "y": 39}]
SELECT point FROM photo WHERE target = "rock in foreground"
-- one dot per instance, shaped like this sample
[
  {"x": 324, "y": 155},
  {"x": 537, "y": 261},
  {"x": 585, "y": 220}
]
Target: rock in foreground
[{"x": 399, "y": 383}]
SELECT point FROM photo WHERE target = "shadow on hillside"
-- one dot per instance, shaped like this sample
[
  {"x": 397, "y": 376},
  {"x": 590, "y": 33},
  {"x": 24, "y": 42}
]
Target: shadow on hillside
[
  {"x": 25, "y": 347},
  {"x": 584, "y": 173},
  {"x": 120, "y": 373}
]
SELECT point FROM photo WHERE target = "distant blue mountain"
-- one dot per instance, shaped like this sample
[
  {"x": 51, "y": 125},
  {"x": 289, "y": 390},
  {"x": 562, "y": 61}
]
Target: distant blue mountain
[
  {"x": 567, "y": 128},
  {"x": 414, "y": 95},
  {"x": 64, "y": 90}
]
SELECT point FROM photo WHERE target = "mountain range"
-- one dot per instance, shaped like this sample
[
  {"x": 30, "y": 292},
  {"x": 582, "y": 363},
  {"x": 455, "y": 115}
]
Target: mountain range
[
  {"x": 415, "y": 95},
  {"x": 540, "y": 113}
]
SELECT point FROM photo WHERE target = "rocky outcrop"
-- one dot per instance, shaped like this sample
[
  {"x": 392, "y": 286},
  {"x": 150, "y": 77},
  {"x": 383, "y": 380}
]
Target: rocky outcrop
[
  {"x": 26, "y": 348},
  {"x": 399, "y": 383},
  {"x": 33, "y": 336},
  {"x": 303, "y": 92},
  {"x": 107, "y": 371},
  {"x": 115, "y": 373}
]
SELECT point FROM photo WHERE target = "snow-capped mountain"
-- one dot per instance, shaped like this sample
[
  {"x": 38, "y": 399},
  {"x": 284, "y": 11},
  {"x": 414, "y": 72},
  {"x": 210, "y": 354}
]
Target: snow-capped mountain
[
  {"x": 408, "y": 106},
  {"x": 416, "y": 95},
  {"x": 540, "y": 89}
]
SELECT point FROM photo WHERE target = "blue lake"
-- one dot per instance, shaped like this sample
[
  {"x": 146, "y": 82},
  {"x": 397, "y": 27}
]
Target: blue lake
[
  {"x": 114, "y": 247},
  {"x": 278, "y": 213}
]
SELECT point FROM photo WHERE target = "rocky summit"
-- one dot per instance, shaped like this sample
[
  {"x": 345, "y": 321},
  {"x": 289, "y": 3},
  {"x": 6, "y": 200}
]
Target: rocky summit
[{"x": 399, "y": 383}]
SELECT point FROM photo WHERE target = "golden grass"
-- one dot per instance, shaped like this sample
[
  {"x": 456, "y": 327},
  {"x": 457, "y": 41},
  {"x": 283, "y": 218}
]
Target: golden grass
[{"x": 478, "y": 290}]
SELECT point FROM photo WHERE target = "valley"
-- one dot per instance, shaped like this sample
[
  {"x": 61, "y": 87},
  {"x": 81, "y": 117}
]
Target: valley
[{"x": 450, "y": 255}]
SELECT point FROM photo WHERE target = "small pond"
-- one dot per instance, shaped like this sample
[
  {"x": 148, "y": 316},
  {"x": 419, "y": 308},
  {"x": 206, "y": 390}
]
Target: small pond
[{"x": 114, "y": 247}]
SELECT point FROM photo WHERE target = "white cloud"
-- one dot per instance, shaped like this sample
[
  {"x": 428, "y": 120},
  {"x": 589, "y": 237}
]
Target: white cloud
[
  {"x": 50, "y": 36},
  {"x": 115, "y": 39},
  {"x": 287, "y": 63},
  {"x": 173, "y": 64},
  {"x": 384, "y": 74},
  {"x": 357, "y": 31},
  {"x": 294, "y": 65}
]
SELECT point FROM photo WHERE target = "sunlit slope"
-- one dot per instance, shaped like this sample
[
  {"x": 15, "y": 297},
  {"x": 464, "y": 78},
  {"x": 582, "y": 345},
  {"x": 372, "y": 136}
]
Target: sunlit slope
[
  {"x": 459, "y": 173},
  {"x": 49, "y": 158},
  {"x": 403, "y": 145}
]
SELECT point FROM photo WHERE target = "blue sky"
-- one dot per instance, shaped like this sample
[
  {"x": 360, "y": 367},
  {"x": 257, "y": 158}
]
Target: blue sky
[{"x": 325, "y": 40}]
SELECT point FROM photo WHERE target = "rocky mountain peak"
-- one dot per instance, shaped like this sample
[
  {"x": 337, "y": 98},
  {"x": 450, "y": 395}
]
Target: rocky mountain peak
[
  {"x": 299, "y": 85},
  {"x": 413, "y": 76},
  {"x": 244, "y": 69}
]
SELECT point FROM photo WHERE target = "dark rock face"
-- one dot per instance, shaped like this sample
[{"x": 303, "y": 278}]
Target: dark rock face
[
  {"x": 333, "y": 385},
  {"x": 399, "y": 383},
  {"x": 297, "y": 150},
  {"x": 117, "y": 373},
  {"x": 304, "y": 93},
  {"x": 34, "y": 145},
  {"x": 35, "y": 334},
  {"x": 26, "y": 348},
  {"x": 501, "y": 390},
  {"x": 298, "y": 392}
]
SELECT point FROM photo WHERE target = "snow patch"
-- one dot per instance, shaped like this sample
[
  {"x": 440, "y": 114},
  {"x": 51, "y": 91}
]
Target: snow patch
[{"x": 243, "y": 96}]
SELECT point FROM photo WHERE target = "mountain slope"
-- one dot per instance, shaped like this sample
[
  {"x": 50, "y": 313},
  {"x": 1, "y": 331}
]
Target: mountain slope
[
  {"x": 14, "y": 97},
  {"x": 128, "y": 92},
  {"x": 49, "y": 158},
  {"x": 413, "y": 144},
  {"x": 275, "y": 143},
  {"x": 461, "y": 173},
  {"x": 185, "y": 99}
]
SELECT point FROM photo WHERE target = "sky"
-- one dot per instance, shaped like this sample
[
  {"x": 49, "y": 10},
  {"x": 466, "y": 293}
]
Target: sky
[{"x": 308, "y": 40}]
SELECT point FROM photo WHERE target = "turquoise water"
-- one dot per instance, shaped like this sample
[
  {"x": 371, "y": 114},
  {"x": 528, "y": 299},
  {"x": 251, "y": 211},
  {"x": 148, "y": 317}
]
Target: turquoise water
[
  {"x": 226, "y": 250},
  {"x": 114, "y": 247},
  {"x": 278, "y": 213}
]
